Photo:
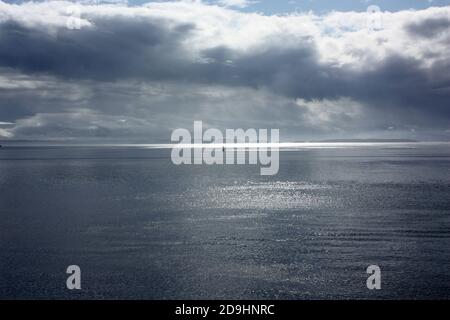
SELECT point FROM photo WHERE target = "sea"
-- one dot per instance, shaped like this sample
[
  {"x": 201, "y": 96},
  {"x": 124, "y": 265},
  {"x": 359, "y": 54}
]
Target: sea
[{"x": 140, "y": 227}]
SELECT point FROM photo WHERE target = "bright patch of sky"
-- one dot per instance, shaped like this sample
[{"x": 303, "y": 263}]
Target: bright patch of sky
[{"x": 319, "y": 6}]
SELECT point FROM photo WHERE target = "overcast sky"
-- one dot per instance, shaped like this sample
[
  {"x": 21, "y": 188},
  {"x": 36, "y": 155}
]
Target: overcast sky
[{"x": 314, "y": 69}]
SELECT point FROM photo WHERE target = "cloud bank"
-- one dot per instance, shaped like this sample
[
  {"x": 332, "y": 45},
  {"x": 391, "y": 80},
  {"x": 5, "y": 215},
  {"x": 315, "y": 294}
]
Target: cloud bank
[{"x": 137, "y": 72}]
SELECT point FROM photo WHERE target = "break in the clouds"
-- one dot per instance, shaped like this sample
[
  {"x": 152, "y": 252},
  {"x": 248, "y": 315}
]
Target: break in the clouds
[{"x": 137, "y": 72}]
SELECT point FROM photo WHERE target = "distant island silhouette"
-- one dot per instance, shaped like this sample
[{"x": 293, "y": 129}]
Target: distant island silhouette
[{"x": 369, "y": 140}]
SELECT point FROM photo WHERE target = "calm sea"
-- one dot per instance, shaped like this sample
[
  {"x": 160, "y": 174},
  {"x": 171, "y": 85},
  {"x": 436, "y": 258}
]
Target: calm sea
[{"x": 140, "y": 227}]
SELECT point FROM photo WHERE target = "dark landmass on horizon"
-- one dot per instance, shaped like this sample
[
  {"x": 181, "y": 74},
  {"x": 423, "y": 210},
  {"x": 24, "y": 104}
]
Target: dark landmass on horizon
[{"x": 368, "y": 140}]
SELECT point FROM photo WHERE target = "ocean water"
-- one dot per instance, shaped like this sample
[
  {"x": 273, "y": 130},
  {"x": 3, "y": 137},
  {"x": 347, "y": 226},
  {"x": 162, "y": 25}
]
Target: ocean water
[{"x": 140, "y": 227}]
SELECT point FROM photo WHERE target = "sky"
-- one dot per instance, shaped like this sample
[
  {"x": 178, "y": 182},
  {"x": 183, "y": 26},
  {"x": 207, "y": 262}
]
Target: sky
[
  {"x": 270, "y": 7},
  {"x": 135, "y": 71}
]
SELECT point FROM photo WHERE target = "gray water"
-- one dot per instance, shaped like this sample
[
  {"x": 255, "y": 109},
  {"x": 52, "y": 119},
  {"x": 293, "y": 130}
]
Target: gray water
[{"x": 142, "y": 228}]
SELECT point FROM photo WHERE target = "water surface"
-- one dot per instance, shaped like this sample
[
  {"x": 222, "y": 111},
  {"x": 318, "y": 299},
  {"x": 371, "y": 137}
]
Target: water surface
[{"x": 140, "y": 227}]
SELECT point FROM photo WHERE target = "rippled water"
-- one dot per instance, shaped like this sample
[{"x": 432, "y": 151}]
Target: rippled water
[{"x": 140, "y": 227}]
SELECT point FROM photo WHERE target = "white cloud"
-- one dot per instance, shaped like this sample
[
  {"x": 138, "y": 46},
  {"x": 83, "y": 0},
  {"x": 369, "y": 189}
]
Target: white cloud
[
  {"x": 327, "y": 113},
  {"x": 4, "y": 133}
]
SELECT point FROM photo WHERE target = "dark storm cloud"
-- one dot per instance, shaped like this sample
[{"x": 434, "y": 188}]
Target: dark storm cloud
[
  {"x": 114, "y": 49},
  {"x": 118, "y": 48},
  {"x": 293, "y": 72},
  {"x": 407, "y": 85},
  {"x": 122, "y": 48},
  {"x": 430, "y": 27},
  {"x": 397, "y": 81}
]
